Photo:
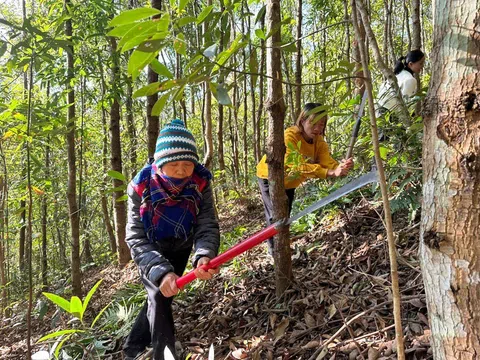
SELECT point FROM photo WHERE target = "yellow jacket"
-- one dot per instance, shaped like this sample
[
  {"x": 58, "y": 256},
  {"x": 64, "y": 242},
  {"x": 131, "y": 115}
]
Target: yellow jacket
[{"x": 316, "y": 156}]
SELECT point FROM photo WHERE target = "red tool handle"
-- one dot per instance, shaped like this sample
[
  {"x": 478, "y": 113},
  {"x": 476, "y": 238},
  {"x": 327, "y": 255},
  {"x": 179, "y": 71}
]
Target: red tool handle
[{"x": 234, "y": 251}]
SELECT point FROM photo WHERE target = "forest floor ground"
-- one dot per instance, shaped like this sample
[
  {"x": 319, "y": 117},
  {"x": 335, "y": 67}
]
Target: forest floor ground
[{"x": 339, "y": 307}]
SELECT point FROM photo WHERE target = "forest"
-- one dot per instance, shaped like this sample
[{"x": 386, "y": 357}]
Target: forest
[{"x": 388, "y": 271}]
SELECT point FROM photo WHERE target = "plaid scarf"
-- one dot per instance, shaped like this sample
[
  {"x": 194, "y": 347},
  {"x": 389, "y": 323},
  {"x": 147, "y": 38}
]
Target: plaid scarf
[{"x": 169, "y": 206}]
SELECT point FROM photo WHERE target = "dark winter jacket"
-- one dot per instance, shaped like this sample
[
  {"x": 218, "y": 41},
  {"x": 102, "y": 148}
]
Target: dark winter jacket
[{"x": 205, "y": 237}]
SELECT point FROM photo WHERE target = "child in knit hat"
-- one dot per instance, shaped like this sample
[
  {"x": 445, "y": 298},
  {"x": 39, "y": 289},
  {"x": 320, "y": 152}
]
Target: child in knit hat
[{"x": 170, "y": 210}]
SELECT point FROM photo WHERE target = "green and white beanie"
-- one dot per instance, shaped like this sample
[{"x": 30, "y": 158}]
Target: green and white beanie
[{"x": 175, "y": 143}]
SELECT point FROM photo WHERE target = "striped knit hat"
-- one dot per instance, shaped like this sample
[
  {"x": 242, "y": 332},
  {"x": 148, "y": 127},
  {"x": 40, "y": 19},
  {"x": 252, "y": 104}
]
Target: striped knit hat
[{"x": 175, "y": 143}]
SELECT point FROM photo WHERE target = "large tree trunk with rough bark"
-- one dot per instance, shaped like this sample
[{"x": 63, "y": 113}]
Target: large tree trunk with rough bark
[
  {"x": 275, "y": 107},
  {"x": 116, "y": 162},
  {"x": 449, "y": 240}
]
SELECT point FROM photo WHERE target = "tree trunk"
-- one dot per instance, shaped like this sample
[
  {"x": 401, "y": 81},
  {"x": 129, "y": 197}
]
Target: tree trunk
[
  {"x": 44, "y": 220},
  {"x": 4, "y": 276},
  {"x": 298, "y": 62},
  {"x": 275, "y": 107},
  {"x": 245, "y": 113},
  {"x": 384, "y": 189},
  {"x": 132, "y": 132},
  {"x": 116, "y": 162},
  {"x": 449, "y": 246},
  {"x": 72, "y": 167},
  {"x": 261, "y": 83},
  {"x": 220, "y": 150},
  {"x": 289, "y": 88},
  {"x": 3, "y": 240},
  {"x": 417, "y": 43},
  {"x": 103, "y": 198},
  {"x": 208, "y": 159},
  {"x": 153, "y": 125}
]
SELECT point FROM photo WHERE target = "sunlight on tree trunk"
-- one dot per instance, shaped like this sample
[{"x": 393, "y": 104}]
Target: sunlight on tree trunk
[
  {"x": 275, "y": 107},
  {"x": 449, "y": 246}
]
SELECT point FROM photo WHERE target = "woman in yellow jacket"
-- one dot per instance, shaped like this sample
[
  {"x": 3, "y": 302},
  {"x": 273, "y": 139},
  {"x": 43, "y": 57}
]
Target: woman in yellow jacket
[{"x": 309, "y": 132}]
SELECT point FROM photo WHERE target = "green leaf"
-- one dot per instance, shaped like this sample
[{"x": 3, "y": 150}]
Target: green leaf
[
  {"x": 121, "y": 30},
  {"x": 60, "y": 345},
  {"x": 99, "y": 315},
  {"x": 185, "y": 21},
  {"x": 138, "y": 60},
  {"x": 140, "y": 30},
  {"x": 193, "y": 61},
  {"x": 160, "y": 104},
  {"x": 58, "y": 300},
  {"x": 153, "y": 45},
  {"x": 90, "y": 294},
  {"x": 179, "y": 44},
  {"x": 181, "y": 5},
  {"x": 261, "y": 14},
  {"x": 179, "y": 93},
  {"x": 133, "y": 15},
  {"x": 59, "y": 333},
  {"x": 76, "y": 308},
  {"x": 225, "y": 55},
  {"x": 117, "y": 188},
  {"x": 260, "y": 34},
  {"x": 147, "y": 90},
  {"x": 122, "y": 198},
  {"x": 203, "y": 15},
  {"x": 289, "y": 47},
  {"x": 383, "y": 152},
  {"x": 161, "y": 69},
  {"x": 116, "y": 175}
]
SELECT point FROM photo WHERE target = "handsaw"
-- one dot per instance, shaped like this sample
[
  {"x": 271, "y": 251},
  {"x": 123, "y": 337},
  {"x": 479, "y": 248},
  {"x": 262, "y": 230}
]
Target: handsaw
[{"x": 273, "y": 229}]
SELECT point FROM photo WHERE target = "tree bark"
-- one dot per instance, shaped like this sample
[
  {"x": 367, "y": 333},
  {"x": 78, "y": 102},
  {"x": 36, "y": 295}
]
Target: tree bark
[
  {"x": 44, "y": 219},
  {"x": 449, "y": 246},
  {"x": 153, "y": 124},
  {"x": 383, "y": 187},
  {"x": 261, "y": 86},
  {"x": 116, "y": 162},
  {"x": 245, "y": 113},
  {"x": 132, "y": 132},
  {"x": 298, "y": 62},
  {"x": 103, "y": 199},
  {"x": 275, "y": 107},
  {"x": 72, "y": 167},
  {"x": 3, "y": 240},
  {"x": 208, "y": 159}
]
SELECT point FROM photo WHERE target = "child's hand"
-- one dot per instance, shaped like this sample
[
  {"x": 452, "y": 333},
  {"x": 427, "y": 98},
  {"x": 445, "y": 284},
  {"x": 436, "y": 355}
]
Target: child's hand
[
  {"x": 202, "y": 274},
  {"x": 168, "y": 286}
]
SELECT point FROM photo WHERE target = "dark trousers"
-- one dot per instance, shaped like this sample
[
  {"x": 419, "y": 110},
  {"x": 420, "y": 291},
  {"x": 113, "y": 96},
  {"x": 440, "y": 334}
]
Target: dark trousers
[
  {"x": 268, "y": 207},
  {"x": 154, "y": 323}
]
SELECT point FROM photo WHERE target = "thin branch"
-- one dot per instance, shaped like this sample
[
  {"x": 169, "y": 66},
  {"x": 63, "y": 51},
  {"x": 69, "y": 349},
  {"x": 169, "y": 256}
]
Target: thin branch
[{"x": 283, "y": 82}]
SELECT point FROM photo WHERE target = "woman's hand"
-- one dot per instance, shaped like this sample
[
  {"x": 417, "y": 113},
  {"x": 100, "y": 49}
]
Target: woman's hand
[
  {"x": 342, "y": 169},
  {"x": 168, "y": 286},
  {"x": 202, "y": 274}
]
